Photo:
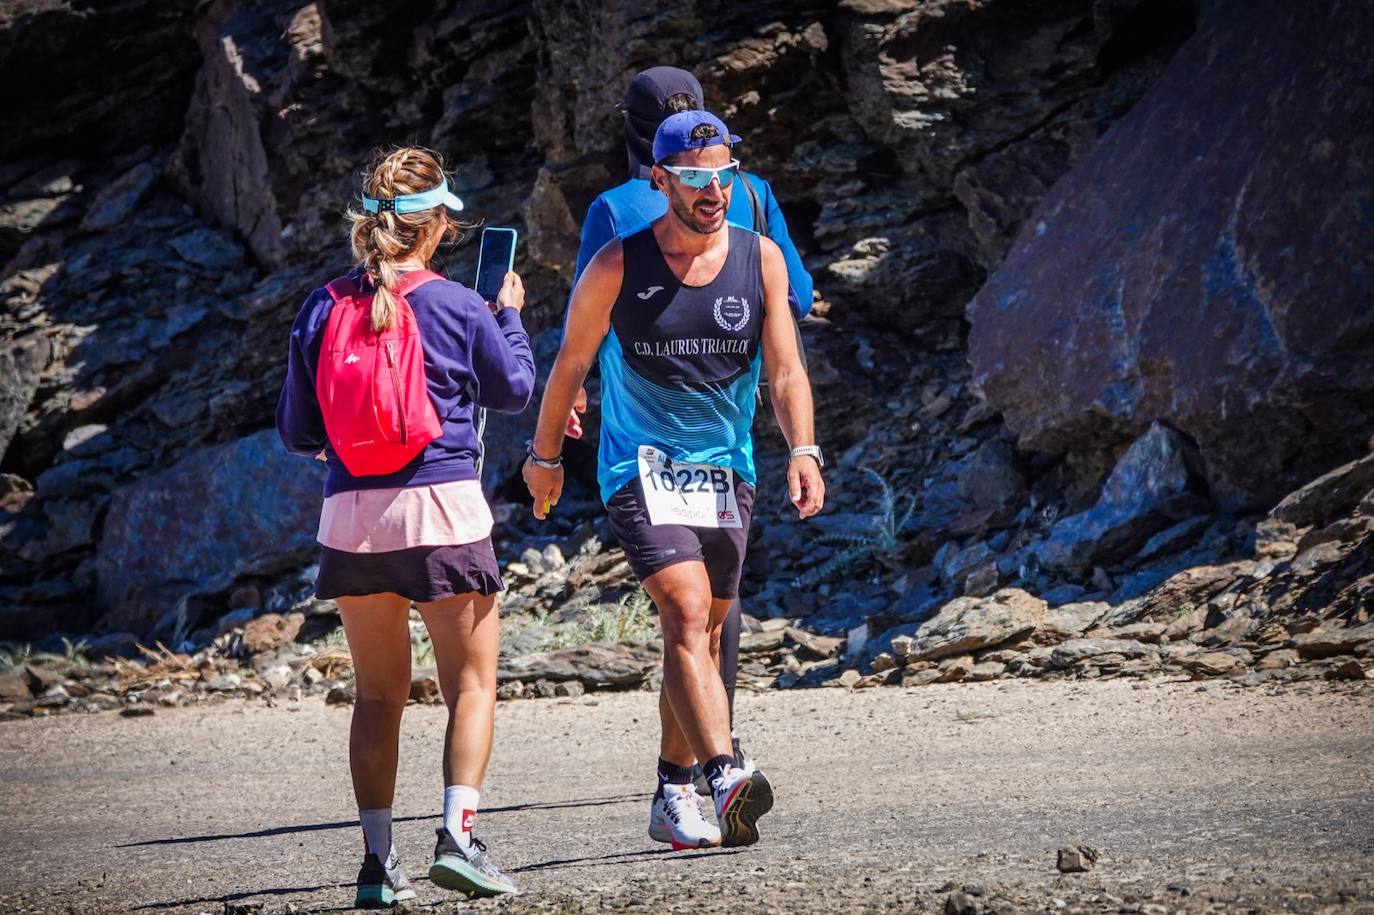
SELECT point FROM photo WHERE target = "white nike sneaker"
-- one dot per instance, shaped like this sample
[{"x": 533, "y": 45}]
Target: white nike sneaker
[
  {"x": 741, "y": 797},
  {"x": 676, "y": 819},
  {"x": 742, "y": 759}
]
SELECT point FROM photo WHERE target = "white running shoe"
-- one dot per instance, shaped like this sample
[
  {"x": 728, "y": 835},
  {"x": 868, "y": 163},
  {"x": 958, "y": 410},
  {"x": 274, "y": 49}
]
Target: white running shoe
[
  {"x": 676, "y": 819},
  {"x": 742, "y": 760},
  {"x": 741, "y": 797}
]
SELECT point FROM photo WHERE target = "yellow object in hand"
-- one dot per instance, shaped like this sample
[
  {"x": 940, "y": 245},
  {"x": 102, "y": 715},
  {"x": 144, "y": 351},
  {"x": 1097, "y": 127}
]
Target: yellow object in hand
[{"x": 546, "y": 506}]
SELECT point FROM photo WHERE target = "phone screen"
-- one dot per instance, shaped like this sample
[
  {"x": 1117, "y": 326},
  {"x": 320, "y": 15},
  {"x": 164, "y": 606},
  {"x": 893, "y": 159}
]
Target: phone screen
[{"x": 495, "y": 258}]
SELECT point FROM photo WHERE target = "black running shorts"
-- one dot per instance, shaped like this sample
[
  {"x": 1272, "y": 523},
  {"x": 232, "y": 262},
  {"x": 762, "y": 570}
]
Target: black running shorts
[{"x": 652, "y": 548}]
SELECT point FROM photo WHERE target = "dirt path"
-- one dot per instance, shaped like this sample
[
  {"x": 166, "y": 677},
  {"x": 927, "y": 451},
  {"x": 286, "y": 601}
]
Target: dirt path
[{"x": 887, "y": 800}]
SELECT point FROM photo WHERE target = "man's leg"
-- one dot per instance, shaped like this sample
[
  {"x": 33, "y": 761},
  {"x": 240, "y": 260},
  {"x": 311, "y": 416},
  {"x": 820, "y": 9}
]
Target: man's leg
[
  {"x": 673, "y": 744},
  {"x": 724, "y": 551},
  {"x": 697, "y": 726},
  {"x": 674, "y": 815},
  {"x": 725, "y": 661},
  {"x": 729, "y": 656},
  {"x": 697, "y": 702}
]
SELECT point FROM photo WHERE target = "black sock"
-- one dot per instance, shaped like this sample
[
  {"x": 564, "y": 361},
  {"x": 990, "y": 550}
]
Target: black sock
[
  {"x": 715, "y": 765},
  {"x": 671, "y": 774}
]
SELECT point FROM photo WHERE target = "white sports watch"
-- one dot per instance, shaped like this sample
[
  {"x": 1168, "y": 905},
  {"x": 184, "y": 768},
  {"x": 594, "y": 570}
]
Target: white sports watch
[{"x": 808, "y": 450}]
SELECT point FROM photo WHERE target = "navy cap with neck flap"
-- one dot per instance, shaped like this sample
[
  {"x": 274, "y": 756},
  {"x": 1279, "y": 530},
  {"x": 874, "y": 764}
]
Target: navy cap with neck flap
[{"x": 645, "y": 107}]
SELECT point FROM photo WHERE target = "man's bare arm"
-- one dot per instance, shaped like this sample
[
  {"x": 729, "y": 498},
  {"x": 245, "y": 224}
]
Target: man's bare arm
[{"x": 589, "y": 319}]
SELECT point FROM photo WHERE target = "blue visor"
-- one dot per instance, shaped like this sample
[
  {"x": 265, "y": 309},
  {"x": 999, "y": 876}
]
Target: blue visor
[{"x": 413, "y": 203}]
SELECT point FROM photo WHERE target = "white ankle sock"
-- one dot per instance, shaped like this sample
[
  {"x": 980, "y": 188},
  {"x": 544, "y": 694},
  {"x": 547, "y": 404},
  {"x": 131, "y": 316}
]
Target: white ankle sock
[
  {"x": 460, "y": 809},
  {"x": 377, "y": 833}
]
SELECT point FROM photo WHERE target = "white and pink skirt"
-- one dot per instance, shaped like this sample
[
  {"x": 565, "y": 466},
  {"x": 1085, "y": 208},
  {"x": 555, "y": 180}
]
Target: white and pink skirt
[{"x": 425, "y": 543}]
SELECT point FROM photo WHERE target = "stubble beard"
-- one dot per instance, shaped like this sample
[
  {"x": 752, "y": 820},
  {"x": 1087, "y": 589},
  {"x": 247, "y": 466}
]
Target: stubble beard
[{"x": 684, "y": 213}]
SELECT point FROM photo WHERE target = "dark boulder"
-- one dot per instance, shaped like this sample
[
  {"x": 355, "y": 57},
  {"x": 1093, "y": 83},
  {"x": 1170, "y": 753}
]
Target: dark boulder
[
  {"x": 219, "y": 513},
  {"x": 990, "y": 478},
  {"x": 1153, "y": 485},
  {"x": 1208, "y": 262}
]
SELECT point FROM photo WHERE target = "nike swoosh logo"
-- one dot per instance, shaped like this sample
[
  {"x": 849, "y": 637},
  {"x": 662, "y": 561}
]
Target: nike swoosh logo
[{"x": 648, "y": 293}]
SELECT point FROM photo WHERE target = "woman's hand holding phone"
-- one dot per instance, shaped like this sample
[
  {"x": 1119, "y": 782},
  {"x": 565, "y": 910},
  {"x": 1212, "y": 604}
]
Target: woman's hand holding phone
[{"x": 512, "y": 294}]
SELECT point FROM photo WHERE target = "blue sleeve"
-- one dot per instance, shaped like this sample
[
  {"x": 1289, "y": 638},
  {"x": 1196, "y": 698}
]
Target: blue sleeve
[
  {"x": 799, "y": 283},
  {"x": 502, "y": 361},
  {"x": 299, "y": 420},
  {"x": 597, "y": 229}
]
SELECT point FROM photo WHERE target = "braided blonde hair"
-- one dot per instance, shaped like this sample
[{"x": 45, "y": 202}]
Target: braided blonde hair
[{"x": 382, "y": 239}]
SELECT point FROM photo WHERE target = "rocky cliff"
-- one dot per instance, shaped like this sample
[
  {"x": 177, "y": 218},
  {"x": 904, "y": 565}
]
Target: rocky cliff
[
  {"x": 1207, "y": 263},
  {"x": 162, "y": 225}
]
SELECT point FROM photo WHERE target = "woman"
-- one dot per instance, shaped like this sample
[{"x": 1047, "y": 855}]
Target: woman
[{"x": 422, "y": 533}]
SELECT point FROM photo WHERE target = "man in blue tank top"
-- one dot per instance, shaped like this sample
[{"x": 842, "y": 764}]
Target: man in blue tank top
[
  {"x": 680, "y": 316},
  {"x": 655, "y": 94}
]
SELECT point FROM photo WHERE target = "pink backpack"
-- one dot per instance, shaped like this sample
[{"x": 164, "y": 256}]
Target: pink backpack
[{"x": 371, "y": 385}]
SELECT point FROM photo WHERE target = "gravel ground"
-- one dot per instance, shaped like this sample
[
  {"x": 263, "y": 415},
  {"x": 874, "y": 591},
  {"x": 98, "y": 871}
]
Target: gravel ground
[{"x": 1198, "y": 798}]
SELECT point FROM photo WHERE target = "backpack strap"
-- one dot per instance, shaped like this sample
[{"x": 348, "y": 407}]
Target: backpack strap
[
  {"x": 341, "y": 288},
  {"x": 760, "y": 217},
  {"x": 413, "y": 280},
  {"x": 344, "y": 287}
]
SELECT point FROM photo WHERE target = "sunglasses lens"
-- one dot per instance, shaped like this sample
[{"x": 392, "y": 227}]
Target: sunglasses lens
[
  {"x": 696, "y": 177},
  {"x": 727, "y": 176}
]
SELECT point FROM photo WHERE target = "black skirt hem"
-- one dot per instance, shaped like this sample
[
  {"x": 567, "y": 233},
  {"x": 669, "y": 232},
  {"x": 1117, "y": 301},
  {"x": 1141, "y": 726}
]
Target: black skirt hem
[{"x": 422, "y": 574}]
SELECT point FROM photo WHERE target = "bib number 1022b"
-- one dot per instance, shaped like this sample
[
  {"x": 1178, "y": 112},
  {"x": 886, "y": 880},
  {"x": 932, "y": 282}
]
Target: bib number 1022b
[
  {"x": 678, "y": 492},
  {"x": 685, "y": 480}
]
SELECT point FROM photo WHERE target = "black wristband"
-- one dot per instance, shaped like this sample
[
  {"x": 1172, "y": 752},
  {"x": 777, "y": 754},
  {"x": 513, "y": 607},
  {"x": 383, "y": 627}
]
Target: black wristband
[{"x": 551, "y": 463}]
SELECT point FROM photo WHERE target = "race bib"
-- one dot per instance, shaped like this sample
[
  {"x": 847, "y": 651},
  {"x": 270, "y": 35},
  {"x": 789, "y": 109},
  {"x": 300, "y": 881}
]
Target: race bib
[{"x": 695, "y": 495}]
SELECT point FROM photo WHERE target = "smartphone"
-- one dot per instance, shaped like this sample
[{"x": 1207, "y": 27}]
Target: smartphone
[{"x": 495, "y": 258}]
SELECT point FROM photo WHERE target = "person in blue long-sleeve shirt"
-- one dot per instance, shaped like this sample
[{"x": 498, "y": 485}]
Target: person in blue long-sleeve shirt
[
  {"x": 420, "y": 533},
  {"x": 652, "y": 96}
]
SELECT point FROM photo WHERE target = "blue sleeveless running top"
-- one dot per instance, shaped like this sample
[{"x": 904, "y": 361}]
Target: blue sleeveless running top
[{"x": 680, "y": 364}]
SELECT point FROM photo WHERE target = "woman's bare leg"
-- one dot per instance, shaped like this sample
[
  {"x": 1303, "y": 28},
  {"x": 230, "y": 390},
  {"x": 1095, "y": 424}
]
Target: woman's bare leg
[
  {"x": 379, "y": 640},
  {"x": 465, "y": 631}
]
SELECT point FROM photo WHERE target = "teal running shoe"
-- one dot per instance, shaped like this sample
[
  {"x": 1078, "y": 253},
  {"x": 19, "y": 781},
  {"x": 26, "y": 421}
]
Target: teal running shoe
[
  {"x": 381, "y": 887},
  {"x": 466, "y": 870}
]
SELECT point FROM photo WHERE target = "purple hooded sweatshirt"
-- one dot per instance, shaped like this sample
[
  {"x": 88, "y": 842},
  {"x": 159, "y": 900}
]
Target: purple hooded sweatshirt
[{"x": 472, "y": 359}]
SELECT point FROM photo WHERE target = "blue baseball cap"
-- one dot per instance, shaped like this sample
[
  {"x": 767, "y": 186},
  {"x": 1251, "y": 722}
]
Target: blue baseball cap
[
  {"x": 413, "y": 203},
  {"x": 674, "y": 135}
]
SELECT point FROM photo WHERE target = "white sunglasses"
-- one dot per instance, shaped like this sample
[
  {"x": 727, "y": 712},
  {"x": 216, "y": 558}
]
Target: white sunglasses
[{"x": 697, "y": 177}]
